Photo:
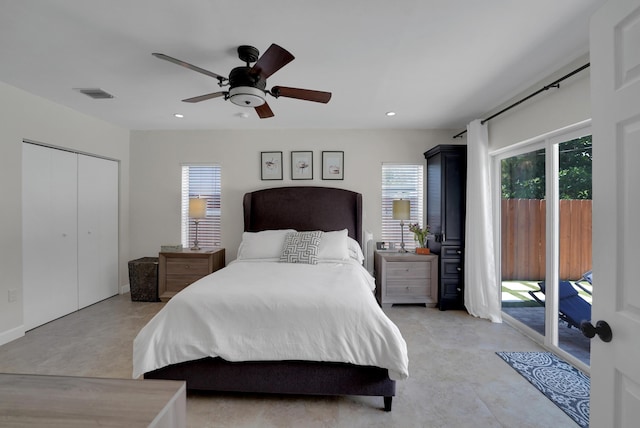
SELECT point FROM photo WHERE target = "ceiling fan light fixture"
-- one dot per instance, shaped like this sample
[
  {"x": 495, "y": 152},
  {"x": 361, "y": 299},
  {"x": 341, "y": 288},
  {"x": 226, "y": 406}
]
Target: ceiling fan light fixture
[{"x": 246, "y": 96}]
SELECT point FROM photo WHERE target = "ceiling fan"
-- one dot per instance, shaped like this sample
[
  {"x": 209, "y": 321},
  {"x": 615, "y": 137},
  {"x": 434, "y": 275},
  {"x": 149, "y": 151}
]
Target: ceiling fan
[{"x": 247, "y": 84}]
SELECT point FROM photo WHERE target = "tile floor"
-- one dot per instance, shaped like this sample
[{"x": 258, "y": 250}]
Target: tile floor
[{"x": 456, "y": 380}]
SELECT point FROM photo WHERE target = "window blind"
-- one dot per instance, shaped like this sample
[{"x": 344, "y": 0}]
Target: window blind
[
  {"x": 404, "y": 181},
  {"x": 201, "y": 181}
]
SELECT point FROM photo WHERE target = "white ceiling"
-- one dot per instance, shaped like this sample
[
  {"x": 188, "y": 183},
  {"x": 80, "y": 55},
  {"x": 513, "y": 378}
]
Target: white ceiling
[{"x": 437, "y": 63}]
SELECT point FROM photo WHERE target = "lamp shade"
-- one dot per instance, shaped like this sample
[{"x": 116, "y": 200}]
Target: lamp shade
[
  {"x": 401, "y": 209},
  {"x": 197, "y": 208}
]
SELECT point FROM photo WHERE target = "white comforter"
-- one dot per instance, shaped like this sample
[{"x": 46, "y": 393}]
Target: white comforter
[{"x": 261, "y": 311}]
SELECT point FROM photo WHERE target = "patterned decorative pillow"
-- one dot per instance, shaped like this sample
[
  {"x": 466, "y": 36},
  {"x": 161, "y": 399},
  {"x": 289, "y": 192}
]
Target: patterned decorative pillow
[{"x": 301, "y": 247}]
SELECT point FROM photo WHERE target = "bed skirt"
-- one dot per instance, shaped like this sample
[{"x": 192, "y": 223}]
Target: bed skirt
[{"x": 281, "y": 377}]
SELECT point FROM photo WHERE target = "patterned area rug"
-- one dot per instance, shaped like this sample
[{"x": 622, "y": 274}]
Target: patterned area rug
[{"x": 562, "y": 383}]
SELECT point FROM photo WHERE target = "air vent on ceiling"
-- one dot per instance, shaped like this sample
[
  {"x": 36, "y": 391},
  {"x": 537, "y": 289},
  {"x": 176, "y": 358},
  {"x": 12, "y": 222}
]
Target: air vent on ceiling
[{"x": 95, "y": 93}]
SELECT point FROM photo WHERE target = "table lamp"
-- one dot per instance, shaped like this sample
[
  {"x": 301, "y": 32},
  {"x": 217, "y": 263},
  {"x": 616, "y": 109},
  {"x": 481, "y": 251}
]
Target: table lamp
[
  {"x": 197, "y": 211},
  {"x": 402, "y": 212}
]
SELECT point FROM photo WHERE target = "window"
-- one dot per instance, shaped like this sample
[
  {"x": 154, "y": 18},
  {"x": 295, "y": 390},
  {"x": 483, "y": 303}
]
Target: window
[
  {"x": 404, "y": 181},
  {"x": 201, "y": 181}
]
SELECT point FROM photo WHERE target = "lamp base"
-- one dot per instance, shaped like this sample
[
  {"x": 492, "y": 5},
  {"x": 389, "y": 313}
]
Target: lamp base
[
  {"x": 402, "y": 249},
  {"x": 195, "y": 241}
]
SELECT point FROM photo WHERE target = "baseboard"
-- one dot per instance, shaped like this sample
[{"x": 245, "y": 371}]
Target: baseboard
[
  {"x": 11, "y": 335},
  {"x": 124, "y": 289}
]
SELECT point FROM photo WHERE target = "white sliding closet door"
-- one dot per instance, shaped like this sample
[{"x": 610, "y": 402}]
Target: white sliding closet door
[
  {"x": 49, "y": 231},
  {"x": 70, "y": 232},
  {"x": 97, "y": 229}
]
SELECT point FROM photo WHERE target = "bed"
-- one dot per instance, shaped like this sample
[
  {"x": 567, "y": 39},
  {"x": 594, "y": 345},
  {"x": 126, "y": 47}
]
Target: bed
[{"x": 369, "y": 372}]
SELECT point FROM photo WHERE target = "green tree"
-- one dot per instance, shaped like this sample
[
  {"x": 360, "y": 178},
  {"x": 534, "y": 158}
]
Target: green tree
[
  {"x": 523, "y": 176},
  {"x": 576, "y": 159}
]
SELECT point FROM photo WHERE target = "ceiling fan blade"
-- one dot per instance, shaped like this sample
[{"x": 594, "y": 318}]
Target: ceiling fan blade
[
  {"x": 301, "y": 94},
  {"x": 264, "y": 111},
  {"x": 189, "y": 66},
  {"x": 204, "y": 97},
  {"x": 271, "y": 61}
]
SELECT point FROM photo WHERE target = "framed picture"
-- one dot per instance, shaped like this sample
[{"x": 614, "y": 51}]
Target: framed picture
[
  {"x": 271, "y": 165},
  {"x": 302, "y": 165},
  {"x": 332, "y": 165}
]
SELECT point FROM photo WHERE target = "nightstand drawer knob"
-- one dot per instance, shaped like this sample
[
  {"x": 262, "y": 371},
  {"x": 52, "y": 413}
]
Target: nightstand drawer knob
[{"x": 459, "y": 269}]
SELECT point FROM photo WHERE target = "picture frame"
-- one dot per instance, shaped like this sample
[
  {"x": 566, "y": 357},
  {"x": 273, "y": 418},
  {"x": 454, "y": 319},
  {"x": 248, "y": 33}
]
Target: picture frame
[
  {"x": 271, "y": 165},
  {"x": 333, "y": 165},
  {"x": 302, "y": 165}
]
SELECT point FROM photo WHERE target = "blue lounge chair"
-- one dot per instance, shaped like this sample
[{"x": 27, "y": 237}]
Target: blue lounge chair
[
  {"x": 572, "y": 308},
  {"x": 586, "y": 277}
]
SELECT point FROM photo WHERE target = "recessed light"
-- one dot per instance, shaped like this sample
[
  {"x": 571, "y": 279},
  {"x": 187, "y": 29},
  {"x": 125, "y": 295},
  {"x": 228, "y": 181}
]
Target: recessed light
[
  {"x": 390, "y": 113},
  {"x": 178, "y": 115}
]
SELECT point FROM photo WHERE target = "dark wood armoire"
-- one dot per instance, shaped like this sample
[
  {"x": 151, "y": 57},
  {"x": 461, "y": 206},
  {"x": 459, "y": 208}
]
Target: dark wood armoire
[{"x": 446, "y": 206}]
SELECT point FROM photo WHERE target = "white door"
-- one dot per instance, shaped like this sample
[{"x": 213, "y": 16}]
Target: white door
[
  {"x": 49, "y": 234},
  {"x": 97, "y": 229},
  {"x": 615, "y": 94}
]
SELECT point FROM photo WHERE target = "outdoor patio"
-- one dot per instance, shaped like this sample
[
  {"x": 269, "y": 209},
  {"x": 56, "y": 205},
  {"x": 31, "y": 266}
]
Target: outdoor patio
[{"x": 518, "y": 303}]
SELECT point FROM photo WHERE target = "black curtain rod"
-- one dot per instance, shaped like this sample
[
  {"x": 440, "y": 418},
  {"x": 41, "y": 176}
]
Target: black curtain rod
[{"x": 555, "y": 84}]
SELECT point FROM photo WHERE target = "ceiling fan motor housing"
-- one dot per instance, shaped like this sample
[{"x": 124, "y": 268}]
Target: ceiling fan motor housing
[
  {"x": 248, "y": 54},
  {"x": 246, "y": 90}
]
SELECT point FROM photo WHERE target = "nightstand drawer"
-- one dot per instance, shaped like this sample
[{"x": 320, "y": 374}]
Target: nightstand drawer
[
  {"x": 189, "y": 266},
  {"x": 178, "y": 282},
  {"x": 397, "y": 270},
  {"x": 407, "y": 289}
]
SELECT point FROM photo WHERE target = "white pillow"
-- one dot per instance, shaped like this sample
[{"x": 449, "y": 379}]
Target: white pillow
[
  {"x": 333, "y": 246},
  {"x": 267, "y": 244},
  {"x": 355, "y": 252},
  {"x": 301, "y": 247}
]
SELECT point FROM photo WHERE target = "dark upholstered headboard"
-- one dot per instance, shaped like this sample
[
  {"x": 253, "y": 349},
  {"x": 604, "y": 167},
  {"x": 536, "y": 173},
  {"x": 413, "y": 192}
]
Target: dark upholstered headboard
[{"x": 304, "y": 208}]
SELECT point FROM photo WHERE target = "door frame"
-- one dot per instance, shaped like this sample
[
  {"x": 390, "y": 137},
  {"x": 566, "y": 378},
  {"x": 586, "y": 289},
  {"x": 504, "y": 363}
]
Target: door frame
[{"x": 548, "y": 141}]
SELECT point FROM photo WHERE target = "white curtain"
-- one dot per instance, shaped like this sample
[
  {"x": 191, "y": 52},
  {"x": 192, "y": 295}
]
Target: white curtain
[{"x": 482, "y": 289}]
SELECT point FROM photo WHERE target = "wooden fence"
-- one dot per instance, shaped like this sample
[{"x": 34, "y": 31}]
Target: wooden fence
[{"x": 523, "y": 239}]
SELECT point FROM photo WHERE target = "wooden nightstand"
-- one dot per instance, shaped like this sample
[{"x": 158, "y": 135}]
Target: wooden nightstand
[
  {"x": 406, "y": 278},
  {"x": 176, "y": 270}
]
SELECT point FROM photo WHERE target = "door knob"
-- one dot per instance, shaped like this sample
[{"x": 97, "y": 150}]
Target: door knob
[{"x": 602, "y": 329}]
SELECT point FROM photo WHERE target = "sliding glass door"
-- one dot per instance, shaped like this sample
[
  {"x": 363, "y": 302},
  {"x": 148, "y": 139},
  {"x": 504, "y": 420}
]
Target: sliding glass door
[
  {"x": 523, "y": 225},
  {"x": 574, "y": 251},
  {"x": 545, "y": 233}
]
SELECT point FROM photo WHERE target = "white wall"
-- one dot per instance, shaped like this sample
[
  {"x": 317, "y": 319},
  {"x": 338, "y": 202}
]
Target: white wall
[
  {"x": 156, "y": 157},
  {"x": 549, "y": 111},
  {"x": 25, "y": 116}
]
